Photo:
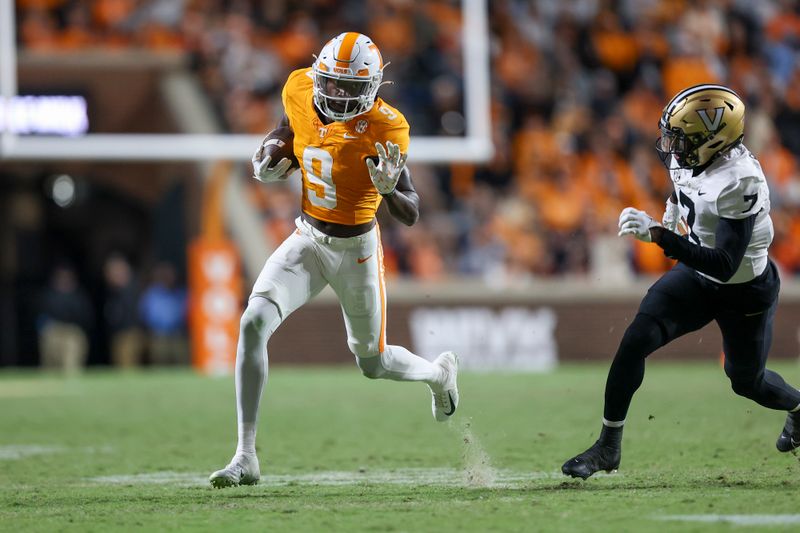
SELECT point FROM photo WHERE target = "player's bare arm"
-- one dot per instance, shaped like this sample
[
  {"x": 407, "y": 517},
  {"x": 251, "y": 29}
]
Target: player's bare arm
[
  {"x": 403, "y": 202},
  {"x": 391, "y": 178}
]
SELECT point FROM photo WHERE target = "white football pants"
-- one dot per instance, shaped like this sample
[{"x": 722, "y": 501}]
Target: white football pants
[
  {"x": 309, "y": 260},
  {"x": 298, "y": 270}
]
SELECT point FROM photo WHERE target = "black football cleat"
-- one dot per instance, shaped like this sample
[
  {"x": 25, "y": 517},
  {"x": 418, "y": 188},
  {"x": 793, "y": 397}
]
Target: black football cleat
[
  {"x": 596, "y": 458},
  {"x": 789, "y": 438}
]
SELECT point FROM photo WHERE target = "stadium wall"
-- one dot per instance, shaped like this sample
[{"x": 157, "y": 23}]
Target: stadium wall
[{"x": 529, "y": 328}]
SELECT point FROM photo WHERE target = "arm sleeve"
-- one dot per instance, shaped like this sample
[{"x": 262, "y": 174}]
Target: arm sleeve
[{"x": 721, "y": 262}]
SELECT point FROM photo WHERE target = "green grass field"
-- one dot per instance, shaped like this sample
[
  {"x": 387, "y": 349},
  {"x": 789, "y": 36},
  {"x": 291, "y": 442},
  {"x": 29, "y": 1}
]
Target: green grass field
[{"x": 338, "y": 452}]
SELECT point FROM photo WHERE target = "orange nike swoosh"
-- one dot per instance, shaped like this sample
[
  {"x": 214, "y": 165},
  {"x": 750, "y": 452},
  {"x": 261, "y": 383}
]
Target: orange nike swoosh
[{"x": 363, "y": 259}]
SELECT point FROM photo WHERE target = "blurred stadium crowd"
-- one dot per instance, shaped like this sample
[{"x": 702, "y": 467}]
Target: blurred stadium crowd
[{"x": 577, "y": 90}]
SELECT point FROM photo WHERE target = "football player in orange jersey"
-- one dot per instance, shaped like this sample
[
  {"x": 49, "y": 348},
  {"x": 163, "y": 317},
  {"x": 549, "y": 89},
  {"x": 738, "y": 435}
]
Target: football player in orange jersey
[{"x": 351, "y": 147}]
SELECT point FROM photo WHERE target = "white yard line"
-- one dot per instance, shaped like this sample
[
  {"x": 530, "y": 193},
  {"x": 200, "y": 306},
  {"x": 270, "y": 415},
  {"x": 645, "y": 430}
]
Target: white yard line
[
  {"x": 403, "y": 476},
  {"x": 15, "y": 452},
  {"x": 736, "y": 519}
]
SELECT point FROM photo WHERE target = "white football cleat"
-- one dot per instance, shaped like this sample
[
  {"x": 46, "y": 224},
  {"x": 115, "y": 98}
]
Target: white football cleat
[
  {"x": 445, "y": 394},
  {"x": 242, "y": 470}
]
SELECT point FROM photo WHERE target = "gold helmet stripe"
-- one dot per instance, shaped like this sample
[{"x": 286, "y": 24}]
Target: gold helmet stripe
[{"x": 692, "y": 90}]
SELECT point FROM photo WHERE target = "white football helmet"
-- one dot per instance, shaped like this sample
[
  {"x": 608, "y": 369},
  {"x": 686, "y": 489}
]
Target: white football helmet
[{"x": 347, "y": 74}]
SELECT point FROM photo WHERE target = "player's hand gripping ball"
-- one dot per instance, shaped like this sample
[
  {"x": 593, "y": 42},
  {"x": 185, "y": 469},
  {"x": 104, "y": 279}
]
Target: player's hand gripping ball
[{"x": 278, "y": 146}]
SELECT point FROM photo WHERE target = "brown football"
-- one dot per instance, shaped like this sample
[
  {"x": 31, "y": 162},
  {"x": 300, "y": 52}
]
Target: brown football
[{"x": 279, "y": 143}]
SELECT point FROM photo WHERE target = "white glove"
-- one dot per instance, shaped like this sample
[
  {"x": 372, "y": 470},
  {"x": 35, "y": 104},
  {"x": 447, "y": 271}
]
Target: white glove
[
  {"x": 261, "y": 170},
  {"x": 672, "y": 218},
  {"x": 390, "y": 165},
  {"x": 636, "y": 223}
]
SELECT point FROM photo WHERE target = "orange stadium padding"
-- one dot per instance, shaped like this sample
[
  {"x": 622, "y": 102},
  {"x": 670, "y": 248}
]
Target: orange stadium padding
[
  {"x": 215, "y": 284},
  {"x": 215, "y": 288}
]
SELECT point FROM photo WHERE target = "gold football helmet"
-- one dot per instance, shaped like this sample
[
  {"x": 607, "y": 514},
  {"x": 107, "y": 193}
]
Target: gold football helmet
[{"x": 698, "y": 125}]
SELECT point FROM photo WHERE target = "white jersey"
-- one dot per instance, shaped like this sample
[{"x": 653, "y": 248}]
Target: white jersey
[{"x": 732, "y": 187}]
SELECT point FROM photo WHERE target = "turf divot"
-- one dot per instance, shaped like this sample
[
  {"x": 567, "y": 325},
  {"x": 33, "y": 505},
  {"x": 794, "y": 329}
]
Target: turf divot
[{"x": 478, "y": 470}]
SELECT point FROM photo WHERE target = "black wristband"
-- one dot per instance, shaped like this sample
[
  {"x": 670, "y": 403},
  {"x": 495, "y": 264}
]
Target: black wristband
[{"x": 656, "y": 234}]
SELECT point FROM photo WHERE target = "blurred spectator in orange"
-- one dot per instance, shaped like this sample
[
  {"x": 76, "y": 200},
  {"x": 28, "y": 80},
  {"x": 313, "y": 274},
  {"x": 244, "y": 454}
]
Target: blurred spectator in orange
[
  {"x": 616, "y": 48},
  {"x": 687, "y": 66},
  {"x": 650, "y": 259},
  {"x": 38, "y": 30},
  {"x": 786, "y": 246},
  {"x": 561, "y": 202},
  {"x": 78, "y": 32}
]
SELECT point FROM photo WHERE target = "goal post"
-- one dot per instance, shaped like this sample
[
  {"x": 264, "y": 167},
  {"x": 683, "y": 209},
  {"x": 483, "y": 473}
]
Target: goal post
[{"x": 475, "y": 146}]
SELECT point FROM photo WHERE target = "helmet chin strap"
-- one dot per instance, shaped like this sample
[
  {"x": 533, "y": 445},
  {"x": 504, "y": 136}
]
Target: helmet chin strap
[
  {"x": 360, "y": 105},
  {"x": 325, "y": 108}
]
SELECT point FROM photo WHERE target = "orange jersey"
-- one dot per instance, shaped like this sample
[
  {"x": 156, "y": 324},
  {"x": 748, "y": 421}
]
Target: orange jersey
[{"x": 336, "y": 183}]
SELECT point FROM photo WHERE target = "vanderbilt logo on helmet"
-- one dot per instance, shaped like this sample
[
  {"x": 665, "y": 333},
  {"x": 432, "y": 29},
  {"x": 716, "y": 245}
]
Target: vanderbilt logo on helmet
[
  {"x": 712, "y": 124},
  {"x": 687, "y": 142}
]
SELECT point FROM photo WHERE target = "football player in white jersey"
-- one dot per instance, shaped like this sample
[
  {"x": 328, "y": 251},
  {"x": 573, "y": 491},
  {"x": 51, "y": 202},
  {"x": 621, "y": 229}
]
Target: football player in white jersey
[{"x": 723, "y": 272}]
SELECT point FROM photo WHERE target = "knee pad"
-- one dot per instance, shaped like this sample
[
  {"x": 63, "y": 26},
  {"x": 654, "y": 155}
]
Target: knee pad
[
  {"x": 371, "y": 367},
  {"x": 364, "y": 349},
  {"x": 260, "y": 317},
  {"x": 743, "y": 383},
  {"x": 743, "y": 387}
]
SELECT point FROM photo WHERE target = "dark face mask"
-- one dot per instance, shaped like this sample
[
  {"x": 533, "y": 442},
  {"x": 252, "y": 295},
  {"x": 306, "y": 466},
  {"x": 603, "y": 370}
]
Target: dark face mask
[{"x": 672, "y": 148}]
